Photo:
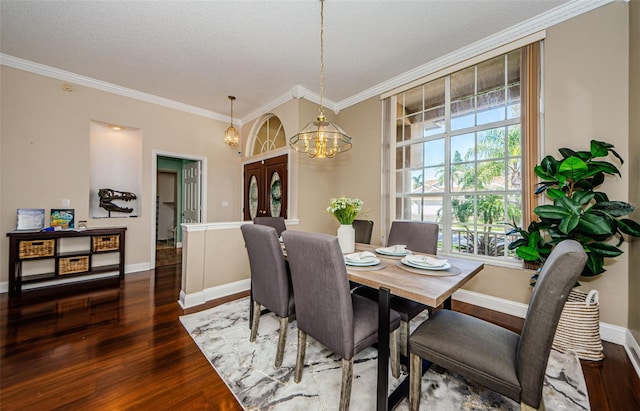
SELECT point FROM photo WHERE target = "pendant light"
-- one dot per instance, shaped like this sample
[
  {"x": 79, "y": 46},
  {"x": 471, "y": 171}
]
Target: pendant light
[
  {"x": 320, "y": 138},
  {"x": 231, "y": 136}
]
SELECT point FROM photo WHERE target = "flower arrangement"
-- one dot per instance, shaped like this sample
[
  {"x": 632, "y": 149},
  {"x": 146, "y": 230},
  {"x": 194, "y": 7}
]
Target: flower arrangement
[{"x": 345, "y": 209}]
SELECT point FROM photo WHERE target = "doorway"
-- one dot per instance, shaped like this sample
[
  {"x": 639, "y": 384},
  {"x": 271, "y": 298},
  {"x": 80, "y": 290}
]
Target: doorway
[{"x": 178, "y": 194}]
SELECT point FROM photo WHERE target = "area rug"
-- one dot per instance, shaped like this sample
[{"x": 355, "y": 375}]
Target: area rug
[{"x": 222, "y": 333}]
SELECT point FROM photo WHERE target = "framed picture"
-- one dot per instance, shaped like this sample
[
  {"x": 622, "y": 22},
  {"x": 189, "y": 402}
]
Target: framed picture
[
  {"x": 30, "y": 219},
  {"x": 62, "y": 217}
]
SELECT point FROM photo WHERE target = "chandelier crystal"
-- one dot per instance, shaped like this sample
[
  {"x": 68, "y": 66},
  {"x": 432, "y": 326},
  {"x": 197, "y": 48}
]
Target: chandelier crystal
[{"x": 321, "y": 138}]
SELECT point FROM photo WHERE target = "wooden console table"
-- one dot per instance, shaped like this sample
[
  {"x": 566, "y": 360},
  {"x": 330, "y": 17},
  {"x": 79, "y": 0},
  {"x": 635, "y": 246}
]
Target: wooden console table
[{"x": 40, "y": 260}]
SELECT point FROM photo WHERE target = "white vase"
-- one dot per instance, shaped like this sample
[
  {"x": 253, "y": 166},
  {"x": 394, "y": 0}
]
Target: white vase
[{"x": 347, "y": 238}]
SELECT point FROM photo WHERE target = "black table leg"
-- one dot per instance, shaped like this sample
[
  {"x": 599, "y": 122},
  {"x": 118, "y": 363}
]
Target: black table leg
[
  {"x": 383, "y": 348},
  {"x": 447, "y": 304}
]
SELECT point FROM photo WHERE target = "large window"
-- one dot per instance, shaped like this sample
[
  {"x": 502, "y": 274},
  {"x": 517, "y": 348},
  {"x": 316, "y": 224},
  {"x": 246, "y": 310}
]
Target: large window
[{"x": 458, "y": 156}]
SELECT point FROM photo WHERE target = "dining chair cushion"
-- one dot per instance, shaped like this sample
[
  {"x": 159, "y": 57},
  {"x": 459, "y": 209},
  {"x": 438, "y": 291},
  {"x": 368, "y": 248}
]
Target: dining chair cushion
[
  {"x": 474, "y": 353},
  {"x": 365, "y": 330}
]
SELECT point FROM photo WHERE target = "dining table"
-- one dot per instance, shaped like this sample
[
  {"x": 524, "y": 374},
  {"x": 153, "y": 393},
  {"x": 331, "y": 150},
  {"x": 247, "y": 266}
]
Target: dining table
[{"x": 392, "y": 277}]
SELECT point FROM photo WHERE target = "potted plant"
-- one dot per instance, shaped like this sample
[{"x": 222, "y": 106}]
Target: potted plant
[
  {"x": 579, "y": 211},
  {"x": 345, "y": 210}
]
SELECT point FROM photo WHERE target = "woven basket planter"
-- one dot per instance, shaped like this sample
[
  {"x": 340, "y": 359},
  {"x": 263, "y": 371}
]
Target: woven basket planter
[{"x": 579, "y": 326}]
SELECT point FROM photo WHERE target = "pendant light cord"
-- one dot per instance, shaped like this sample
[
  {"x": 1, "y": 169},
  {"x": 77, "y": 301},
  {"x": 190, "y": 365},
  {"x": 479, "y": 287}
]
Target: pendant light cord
[{"x": 322, "y": 58}]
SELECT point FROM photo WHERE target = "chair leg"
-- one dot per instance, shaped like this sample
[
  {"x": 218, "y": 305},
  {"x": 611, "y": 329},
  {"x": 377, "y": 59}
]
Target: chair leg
[
  {"x": 404, "y": 337},
  {"x": 415, "y": 381},
  {"x": 395, "y": 354},
  {"x": 282, "y": 339},
  {"x": 302, "y": 347},
  {"x": 345, "y": 389},
  {"x": 256, "y": 321},
  {"x": 525, "y": 407}
]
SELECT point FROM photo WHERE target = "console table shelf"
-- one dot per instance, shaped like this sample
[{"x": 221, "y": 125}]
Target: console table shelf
[{"x": 39, "y": 260}]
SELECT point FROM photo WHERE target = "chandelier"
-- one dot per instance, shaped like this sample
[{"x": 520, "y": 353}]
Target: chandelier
[
  {"x": 231, "y": 136},
  {"x": 321, "y": 138}
]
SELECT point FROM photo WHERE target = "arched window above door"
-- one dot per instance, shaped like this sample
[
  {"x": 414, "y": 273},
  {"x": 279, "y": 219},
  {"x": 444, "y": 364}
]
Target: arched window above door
[{"x": 269, "y": 137}]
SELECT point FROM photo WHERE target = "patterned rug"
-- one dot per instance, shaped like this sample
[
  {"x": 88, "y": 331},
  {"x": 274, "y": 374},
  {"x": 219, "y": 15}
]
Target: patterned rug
[{"x": 222, "y": 333}]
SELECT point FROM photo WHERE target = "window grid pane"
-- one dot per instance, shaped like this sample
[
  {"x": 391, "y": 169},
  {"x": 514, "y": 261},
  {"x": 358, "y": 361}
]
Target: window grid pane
[{"x": 482, "y": 146}]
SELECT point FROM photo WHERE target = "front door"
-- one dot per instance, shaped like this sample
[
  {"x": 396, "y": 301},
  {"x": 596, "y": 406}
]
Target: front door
[{"x": 265, "y": 192}]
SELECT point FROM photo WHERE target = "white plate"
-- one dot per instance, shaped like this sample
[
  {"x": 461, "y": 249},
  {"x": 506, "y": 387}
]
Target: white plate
[
  {"x": 424, "y": 266},
  {"x": 365, "y": 263},
  {"x": 389, "y": 251}
]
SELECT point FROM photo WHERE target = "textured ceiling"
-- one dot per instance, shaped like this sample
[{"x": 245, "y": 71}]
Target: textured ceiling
[{"x": 198, "y": 53}]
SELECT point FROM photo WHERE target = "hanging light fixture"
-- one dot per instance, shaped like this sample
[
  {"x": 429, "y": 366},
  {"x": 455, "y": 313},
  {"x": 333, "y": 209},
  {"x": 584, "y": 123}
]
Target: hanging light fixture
[
  {"x": 231, "y": 136},
  {"x": 320, "y": 138}
]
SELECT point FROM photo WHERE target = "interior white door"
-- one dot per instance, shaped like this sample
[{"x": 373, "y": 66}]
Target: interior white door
[{"x": 191, "y": 192}]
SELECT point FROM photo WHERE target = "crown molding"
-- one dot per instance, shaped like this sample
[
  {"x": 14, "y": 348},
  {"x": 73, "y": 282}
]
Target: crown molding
[
  {"x": 526, "y": 28},
  {"x": 296, "y": 92},
  {"x": 36, "y": 68},
  {"x": 537, "y": 23}
]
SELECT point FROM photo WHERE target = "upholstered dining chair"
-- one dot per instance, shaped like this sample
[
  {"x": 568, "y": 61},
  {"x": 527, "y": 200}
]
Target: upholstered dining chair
[
  {"x": 501, "y": 360},
  {"x": 270, "y": 281},
  {"x": 364, "y": 229},
  {"x": 418, "y": 236},
  {"x": 275, "y": 222},
  {"x": 325, "y": 308}
]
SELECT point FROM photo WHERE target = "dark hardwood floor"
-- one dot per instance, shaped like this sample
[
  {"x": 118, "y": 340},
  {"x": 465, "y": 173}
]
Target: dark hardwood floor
[{"x": 124, "y": 348}]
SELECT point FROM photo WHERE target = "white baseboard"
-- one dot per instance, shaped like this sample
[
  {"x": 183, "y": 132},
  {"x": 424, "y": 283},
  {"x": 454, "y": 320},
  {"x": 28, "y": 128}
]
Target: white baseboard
[
  {"x": 608, "y": 332},
  {"x": 633, "y": 351},
  {"x": 134, "y": 268},
  {"x": 208, "y": 294}
]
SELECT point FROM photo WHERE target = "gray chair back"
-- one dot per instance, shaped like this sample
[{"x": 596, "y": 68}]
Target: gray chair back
[
  {"x": 275, "y": 222},
  {"x": 419, "y": 236},
  {"x": 559, "y": 275},
  {"x": 324, "y": 307},
  {"x": 364, "y": 229},
  {"x": 270, "y": 283}
]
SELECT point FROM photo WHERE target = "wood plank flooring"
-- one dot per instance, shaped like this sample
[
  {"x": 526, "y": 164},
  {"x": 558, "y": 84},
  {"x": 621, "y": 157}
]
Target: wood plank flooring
[{"x": 124, "y": 348}]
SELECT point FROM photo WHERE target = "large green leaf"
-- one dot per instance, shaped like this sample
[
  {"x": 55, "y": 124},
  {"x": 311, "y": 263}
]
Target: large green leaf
[
  {"x": 568, "y": 224},
  {"x": 554, "y": 193},
  {"x": 592, "y": 224},
  {"x": 583, "y": 197},
  {"x": 628, "y": 226},
  {"x": 605, "y": 167},
  {"x": 572, "y": 165},
  {"x": 595, "y": 265},
  {"x": 568, "y": 203},
  {"x": 603, "y": 249},
  {"x": 548, "y": 167},
  {"x": 598, "y": 149},
  {"x": 551, "y": 211},
  {"x": 528, "y": 253},
  {"x": 567, "y": 152},
  {"x": 614, "y": 208}
]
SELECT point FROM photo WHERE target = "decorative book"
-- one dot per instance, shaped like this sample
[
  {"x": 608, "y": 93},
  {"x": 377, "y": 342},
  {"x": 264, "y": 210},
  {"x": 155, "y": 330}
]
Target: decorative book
[
  {"x": 30, "y": 219},
  {"x": 62, "y": 217}
]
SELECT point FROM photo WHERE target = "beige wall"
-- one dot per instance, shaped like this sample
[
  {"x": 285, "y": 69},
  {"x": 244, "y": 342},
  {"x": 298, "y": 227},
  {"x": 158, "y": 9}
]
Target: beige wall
[
  {"x": 634, "y": 166},
  {"x": 586, "y": 97},
  {"x": 45, "y": 154}
]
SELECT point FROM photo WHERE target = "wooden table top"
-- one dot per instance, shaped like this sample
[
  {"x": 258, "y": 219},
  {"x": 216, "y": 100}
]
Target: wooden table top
[{"x": 431, "y": 290}]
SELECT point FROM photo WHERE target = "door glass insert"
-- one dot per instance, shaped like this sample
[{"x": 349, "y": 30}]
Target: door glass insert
[
  {"x": 253, "y": 197},
  {"x": 275, "y": 195}
]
